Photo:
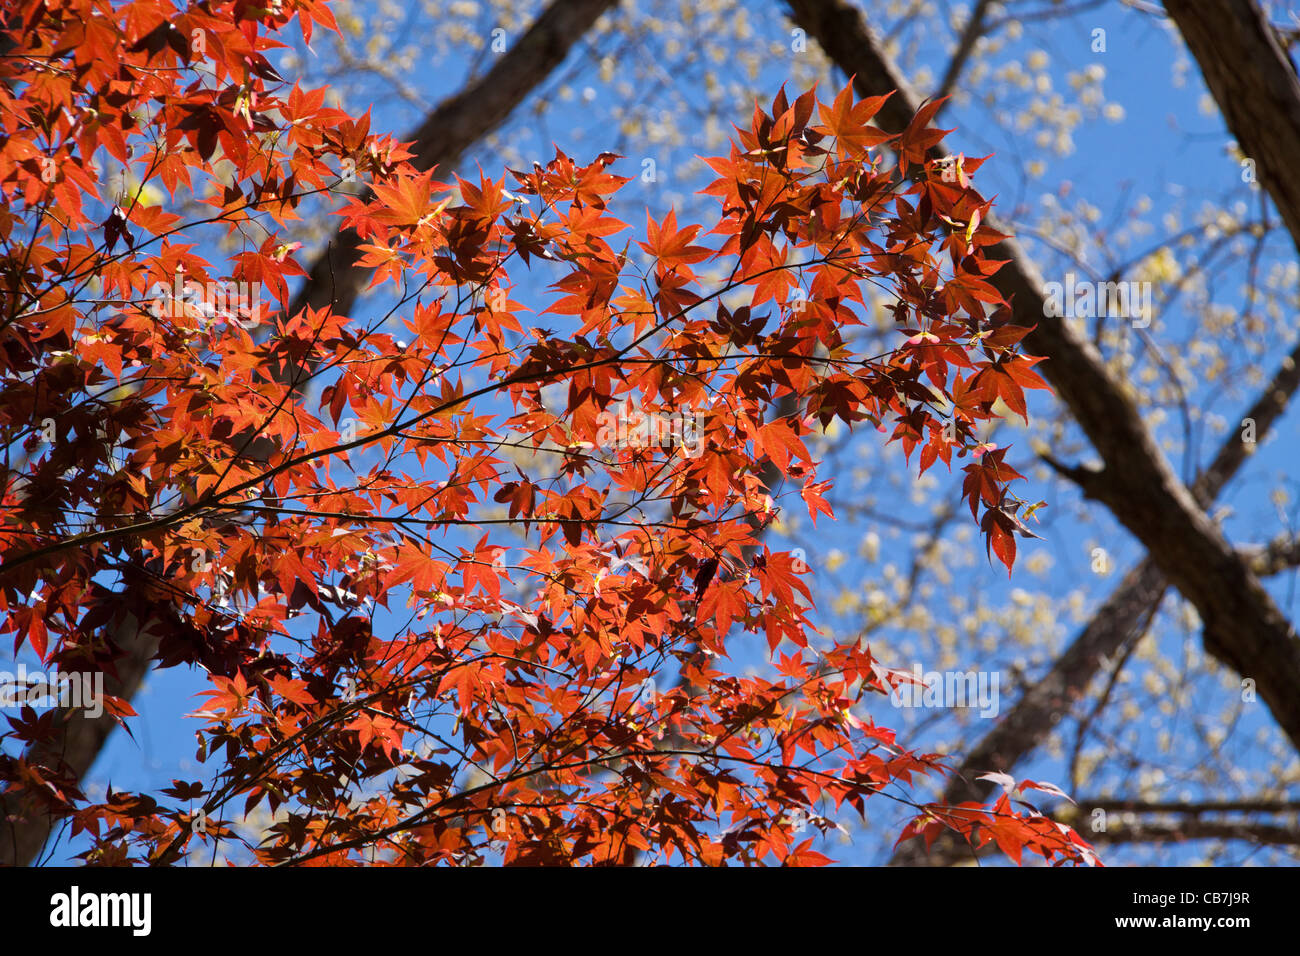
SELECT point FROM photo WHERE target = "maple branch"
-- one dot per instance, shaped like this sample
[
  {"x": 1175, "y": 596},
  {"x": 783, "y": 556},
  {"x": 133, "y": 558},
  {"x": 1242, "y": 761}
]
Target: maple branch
[
  {"x": 448, "y": 131},
  {"x": 770, "y": 475}
]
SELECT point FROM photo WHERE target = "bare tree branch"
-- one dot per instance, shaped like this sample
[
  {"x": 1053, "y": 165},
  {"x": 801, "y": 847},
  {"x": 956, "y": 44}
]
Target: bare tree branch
[
  {"x": 1190, "y": 809},
  {"x": 1182, "y": 821},
  {"x": 1280, "y": 554},
  {"x": 976, "y": 27},
  {"x": 1195, "y": 829}
]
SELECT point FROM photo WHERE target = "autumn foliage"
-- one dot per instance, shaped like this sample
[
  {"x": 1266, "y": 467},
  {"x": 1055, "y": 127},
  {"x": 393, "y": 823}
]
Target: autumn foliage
[{"x": 443, "y": 617}]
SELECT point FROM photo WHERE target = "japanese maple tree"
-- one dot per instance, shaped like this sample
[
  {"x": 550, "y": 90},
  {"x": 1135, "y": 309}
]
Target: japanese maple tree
[{"x": 470, "y": 579}]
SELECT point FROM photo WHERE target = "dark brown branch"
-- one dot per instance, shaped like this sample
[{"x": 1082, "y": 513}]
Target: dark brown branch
[
  {"x": 1188, "y": 821},
  {"x": 1192, "y": 809},
  {"x": 1259, "y": 833},
  {"x": 976, "y": 27}
]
